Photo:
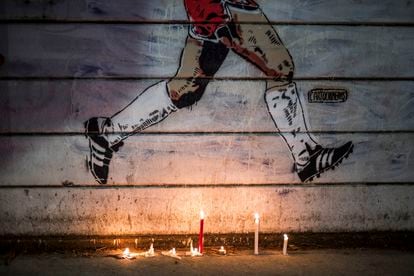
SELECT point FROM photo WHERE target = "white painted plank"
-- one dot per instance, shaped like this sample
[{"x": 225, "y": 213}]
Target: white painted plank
[
  {"x": 153, "y": 211},
  {"x": 201, "y": 159},
  {"x": 276, "y": 10},
  {"x": 93, "y": 50},
  {"x": 227, "y": 106}
]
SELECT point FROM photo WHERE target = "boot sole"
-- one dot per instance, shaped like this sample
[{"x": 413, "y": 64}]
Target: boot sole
[{"x": 333, "y": 166}]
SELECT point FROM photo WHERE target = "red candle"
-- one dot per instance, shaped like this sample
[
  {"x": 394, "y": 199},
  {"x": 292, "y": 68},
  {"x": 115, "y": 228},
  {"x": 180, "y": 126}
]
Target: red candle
[{"x": 201, "y": 234}]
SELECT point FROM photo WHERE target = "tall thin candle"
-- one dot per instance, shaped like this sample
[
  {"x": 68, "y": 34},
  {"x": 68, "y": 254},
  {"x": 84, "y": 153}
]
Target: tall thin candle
[
  {"x": 285, "y": 243},
  {"x": 201, "y": 234},
  {"x": 256, "y": 234}
]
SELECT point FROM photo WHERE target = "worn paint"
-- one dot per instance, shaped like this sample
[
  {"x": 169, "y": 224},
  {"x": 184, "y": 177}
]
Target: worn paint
[
  {"x": 93, "y": 50},
  {"x": 238, "y": 107},
  {"x": 212, "y": 159},
  {"x": 343, "y": 11}
]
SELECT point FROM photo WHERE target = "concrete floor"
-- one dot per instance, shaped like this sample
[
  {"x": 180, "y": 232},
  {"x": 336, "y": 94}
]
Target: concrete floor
[{"x": 312, "y": 262}]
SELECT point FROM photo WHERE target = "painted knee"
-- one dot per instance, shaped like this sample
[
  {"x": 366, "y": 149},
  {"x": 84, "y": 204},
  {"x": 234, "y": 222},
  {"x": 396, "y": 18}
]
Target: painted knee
[
  {"x": 188, "y": 99},
  {"x": 188, "y": 94},
  {"x": 282, "y": 72}
]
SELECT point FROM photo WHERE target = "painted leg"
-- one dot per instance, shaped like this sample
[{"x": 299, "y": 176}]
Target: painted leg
[
  {"x": 105, "y": 135},
  {"x": 311, "y": 159},
  {"x": 198, "y": 60}
]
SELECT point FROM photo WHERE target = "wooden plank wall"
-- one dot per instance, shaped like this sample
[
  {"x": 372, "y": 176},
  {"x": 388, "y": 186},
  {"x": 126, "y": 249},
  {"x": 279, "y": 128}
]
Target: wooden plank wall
[{"x": 62, "y": 62}]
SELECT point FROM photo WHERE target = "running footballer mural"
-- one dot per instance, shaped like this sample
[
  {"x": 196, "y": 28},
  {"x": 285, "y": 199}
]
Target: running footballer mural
[{"x": 214, "y": 32}]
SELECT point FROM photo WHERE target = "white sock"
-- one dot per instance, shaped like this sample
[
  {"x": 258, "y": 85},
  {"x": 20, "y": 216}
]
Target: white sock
[
  {"x": 283, "y": 103},
  {"x": 149, "y": 108}
]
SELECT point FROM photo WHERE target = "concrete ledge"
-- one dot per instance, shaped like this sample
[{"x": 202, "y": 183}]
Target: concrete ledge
[{"x": 297, "y": 241}]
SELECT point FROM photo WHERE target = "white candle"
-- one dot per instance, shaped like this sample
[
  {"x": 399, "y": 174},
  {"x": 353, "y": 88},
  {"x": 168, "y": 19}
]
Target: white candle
[
  {"x": 127, "y": 254},
  {"x": 172, "y": 253},
  {"x": 285, "y": 243},
  {"x": 256, "y": 234},
  {"x": 150, "y": 252},
  {"x": 193, "y": 251}
]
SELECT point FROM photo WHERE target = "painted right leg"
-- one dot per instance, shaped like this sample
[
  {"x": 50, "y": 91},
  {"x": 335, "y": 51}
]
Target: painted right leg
[
  {"x": 199, "y": 61},
  {"x": 262, "y": 46},
  {"x": 311, "y": 159}
]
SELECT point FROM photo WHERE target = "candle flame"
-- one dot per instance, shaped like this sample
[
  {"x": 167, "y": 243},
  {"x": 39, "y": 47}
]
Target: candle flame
[
  {"x": 126, "y": 252},
  {"x": 173, "y": 251},
  {"x": 285, "y": 237},
  {"x": 256, "y": 217},
  {"x": 202, "y": 214}
]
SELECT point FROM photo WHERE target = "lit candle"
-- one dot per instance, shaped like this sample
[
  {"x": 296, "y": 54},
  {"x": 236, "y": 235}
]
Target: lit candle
[
  {"x": 256, "y": 234},
  {"x": 126, "y": 253},
  {"x": 201, "y": 234},
  {"x": 285, "y": 243},
  {"x": 172, "y": 253},
  {"x": 222, "y": 251},
  {"x": 193, "y": 251},
  {"x": 150, "y": 252}
]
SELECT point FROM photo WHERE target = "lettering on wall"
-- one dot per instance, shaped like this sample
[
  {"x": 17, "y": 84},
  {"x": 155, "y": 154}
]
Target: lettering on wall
[{"x": 327, "y": 95}]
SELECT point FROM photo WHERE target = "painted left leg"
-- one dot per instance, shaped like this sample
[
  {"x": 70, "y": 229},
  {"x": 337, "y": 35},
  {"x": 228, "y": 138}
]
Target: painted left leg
[{"x": 105, "y": 135}]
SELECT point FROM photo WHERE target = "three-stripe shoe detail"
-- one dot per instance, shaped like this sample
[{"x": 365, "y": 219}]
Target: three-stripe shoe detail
[
  {"x": 100, "y": 153},
  {"x": 322, "y": 159}
]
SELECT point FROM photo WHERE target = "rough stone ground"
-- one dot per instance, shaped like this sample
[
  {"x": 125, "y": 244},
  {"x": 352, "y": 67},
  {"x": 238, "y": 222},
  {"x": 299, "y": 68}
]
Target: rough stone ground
[{"x": 270, "y": 262}]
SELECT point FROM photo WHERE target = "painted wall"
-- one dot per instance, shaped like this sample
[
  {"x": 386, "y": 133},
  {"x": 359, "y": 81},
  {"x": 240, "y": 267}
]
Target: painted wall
[{"x": 63, "y": 62}]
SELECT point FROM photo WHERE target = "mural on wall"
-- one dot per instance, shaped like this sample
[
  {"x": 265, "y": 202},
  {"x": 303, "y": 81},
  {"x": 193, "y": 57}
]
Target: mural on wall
[{"x": 215, "y": 30}]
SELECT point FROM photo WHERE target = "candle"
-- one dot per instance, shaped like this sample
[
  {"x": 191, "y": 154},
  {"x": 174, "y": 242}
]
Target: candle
[
  {"x": 222, "y": 251},
  {"x": 150, "y": 252},
  {"x": 201, "y": 234},
  {"x": 172, "y": 253},
  {"x": 127, "y": 254},
  {"x": 285, "y": 243},
  {"x": 193, "y": 251},
  {"x": 256, "y": 234}
]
